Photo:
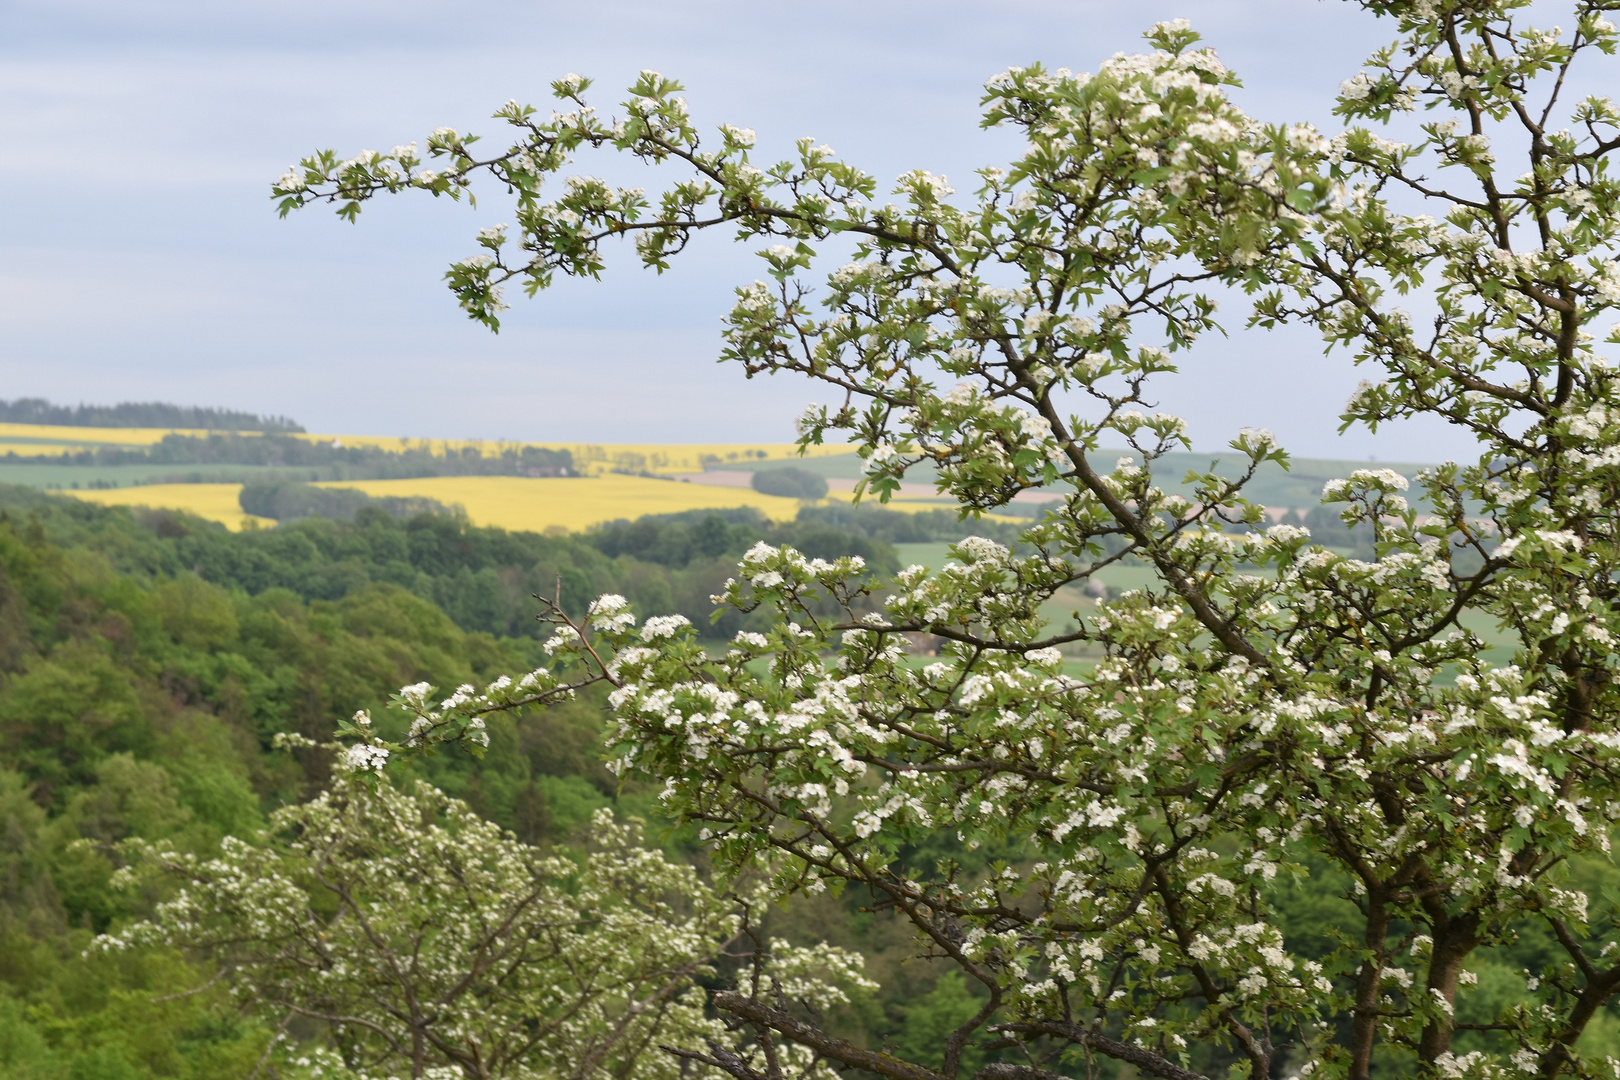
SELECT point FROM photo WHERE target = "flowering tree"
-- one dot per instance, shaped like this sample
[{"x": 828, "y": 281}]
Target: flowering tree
[
  {"x": 426, "y": 940},
  {"x": 1272, "y": 711}
]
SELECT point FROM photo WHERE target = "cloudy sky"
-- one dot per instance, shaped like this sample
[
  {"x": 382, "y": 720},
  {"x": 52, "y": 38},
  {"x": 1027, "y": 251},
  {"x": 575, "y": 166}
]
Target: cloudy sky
[{"x": 140, "y": 257}]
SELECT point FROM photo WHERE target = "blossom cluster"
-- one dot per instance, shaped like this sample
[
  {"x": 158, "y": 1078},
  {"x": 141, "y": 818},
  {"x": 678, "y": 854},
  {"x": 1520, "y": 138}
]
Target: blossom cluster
[{"x": 526, "y": 963}]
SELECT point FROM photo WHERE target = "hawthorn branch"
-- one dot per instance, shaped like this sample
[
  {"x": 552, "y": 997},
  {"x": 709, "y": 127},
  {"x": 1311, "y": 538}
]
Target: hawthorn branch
[
  {"x": 828, "y": 1046},
  {"x": 1143, "y": 1059}
]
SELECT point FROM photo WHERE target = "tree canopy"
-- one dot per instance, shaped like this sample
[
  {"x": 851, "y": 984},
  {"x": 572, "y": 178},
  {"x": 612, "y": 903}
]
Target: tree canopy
[
  {"x": 1129, "y": 835},
  {"x": 794, "y": 483}
]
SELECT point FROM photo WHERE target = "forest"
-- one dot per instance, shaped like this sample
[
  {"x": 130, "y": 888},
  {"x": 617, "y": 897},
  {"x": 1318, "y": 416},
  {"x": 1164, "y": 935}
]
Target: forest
[{"x": 148, "y": 660}]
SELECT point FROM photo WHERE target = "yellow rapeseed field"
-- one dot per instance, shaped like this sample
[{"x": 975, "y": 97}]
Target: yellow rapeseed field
[
  {"x": 215, "y": 502},
  {"x": 88, "y": 436},
  {"x": 515, "y": 502},
  {"x": 36, "y": 449},
  {"x": 508, "y": 502},
  {"x": 38, "y": 440}
]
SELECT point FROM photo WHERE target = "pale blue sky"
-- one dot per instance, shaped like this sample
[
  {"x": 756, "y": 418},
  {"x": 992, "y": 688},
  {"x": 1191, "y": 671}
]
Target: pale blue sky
[{"x": 140, "y": 257}]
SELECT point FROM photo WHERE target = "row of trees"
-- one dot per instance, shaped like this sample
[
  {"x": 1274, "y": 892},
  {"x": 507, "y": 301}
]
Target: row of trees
[
  {"x": 1272, "y": 712},
  {"x": 319, "y": 460},
  {"x": 147, "y": 414}
]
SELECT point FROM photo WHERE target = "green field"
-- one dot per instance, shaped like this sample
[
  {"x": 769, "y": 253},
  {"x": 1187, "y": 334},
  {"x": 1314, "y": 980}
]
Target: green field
[
  {"x": 90, "y": 476},
  {"x": 1298, "y": 487}
]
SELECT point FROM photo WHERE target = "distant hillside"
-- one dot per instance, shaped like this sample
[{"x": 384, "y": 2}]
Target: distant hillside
[
  {"x": 1297, "y": 487},
  {"x": 139, "y": 414}
]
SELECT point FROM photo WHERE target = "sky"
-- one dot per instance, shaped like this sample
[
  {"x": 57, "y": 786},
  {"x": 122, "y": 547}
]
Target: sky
[{"x": 141, "y": 257}]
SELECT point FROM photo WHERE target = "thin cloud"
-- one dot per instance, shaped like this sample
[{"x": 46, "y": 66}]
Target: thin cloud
[{"x": 149, "y": 132}]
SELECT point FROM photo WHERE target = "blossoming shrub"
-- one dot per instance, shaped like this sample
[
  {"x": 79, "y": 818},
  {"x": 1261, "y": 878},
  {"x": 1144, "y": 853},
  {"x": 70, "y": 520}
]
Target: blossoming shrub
[
  {"x": 427, "y": 943},
  {"x": 1270, "y": 710}
]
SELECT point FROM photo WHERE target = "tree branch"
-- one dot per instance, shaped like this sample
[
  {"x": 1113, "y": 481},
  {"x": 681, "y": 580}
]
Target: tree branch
[
  {"x": 1144, "y": 1059},
  {"x": 826, "y": 1045}
]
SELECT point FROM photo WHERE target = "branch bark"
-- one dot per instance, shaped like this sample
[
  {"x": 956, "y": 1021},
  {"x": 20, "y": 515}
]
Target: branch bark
[
  {"x": 828, "y": 1046},
  {"x": 1145, "y": 1060}
]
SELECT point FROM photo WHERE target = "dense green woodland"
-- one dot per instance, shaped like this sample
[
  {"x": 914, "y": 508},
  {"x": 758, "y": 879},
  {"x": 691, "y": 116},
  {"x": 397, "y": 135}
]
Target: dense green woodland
[{"x": 146, "y": 662}]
